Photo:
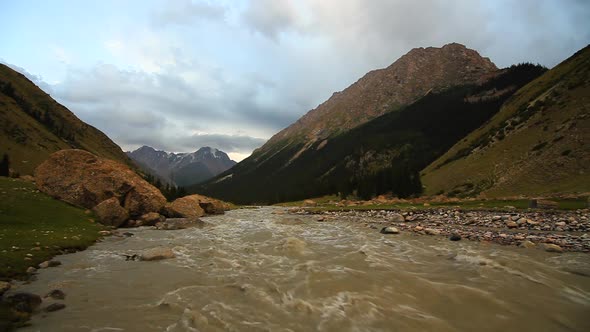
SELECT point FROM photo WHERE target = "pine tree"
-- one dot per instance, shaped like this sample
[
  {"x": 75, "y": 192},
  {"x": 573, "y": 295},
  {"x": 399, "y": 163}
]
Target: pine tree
[{"x": 5, "y": 166}]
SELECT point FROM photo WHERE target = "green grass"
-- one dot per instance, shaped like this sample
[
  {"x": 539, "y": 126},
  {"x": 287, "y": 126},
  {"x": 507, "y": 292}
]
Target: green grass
[{"x": 38, "y": 227}]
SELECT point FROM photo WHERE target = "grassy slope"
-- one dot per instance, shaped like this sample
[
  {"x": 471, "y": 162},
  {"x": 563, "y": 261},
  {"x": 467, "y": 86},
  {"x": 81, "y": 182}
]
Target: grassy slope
[
  {"x": 29, "y": 141},
  {"x": 427, "y": 128},
  {"x": 29, "y": 219},
  {"x": 547, "y": 153}
]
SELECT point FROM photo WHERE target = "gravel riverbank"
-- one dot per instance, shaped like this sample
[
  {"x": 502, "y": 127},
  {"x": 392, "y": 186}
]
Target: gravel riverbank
[{"x": 555, "y": 231}]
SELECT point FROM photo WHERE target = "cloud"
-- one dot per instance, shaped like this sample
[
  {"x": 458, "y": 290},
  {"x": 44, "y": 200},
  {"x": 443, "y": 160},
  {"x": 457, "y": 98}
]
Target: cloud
[
  {"x": 270, "y": 17},
  {"x": 167, "y": 111},
  {"x": 183, "y": 12},
  {"x": 182, "y": 73}
]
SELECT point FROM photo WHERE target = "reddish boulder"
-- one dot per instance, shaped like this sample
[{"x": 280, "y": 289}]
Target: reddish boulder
[
  {"x": 184, "y": 207},
  {"x": 83, "y": 179},
  {"x": 111, "y": 213},
  {"x": 194, "y": 206}
]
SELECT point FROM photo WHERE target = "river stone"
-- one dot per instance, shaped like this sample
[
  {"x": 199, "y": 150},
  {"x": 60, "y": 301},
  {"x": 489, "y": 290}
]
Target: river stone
[
  {"x": 180, "y": 223},
  {"x": 431, "y": 231},
  {"x": 155, "y": 254},
  {"x": 389, "y": 230},
  {"x": 54, "y": 307},
  {"x": 184, "y": 207},
  {"x": 24, "y": 302},
  {"x": 83, "y": 179},
  {"x": 396, "y": 217},
  {"x": 455, "y": 237},
  {"x": 511, "y": 224},
  {"x": 56, "y": 294},
  {"x": 111, "y": 213},
  {"x": 47, "y": 264},
  {"x": 550, "y": 247},
  {"x": 4, "y": 286},
  {"x": 151, "y": 218},
  {"x": 528, "y": 244}
]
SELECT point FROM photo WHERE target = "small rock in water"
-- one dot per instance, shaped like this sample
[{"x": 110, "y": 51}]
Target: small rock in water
[
  {"x": 528, "y": 244},
  {"x": 31, "y": 270},
  {"x": 128, "y": 234},
  {"x": 56, "y": 294},
  {"x": 550, "y": 247},
  {"x": 157, "y": 253},
  {"x": 431, "y": 231},
  {"x": 4, "y": 286},
  {"x": 54, "y": 307},
  {"x": 389, "y": 230},
  {"x": 24, "y": 302},
  {"x": 455, "y": 237}
]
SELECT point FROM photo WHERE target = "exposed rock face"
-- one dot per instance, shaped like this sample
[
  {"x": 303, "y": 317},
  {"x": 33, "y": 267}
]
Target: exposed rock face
[
  {"x": 194, "y": 206},
  {"x": 111, "y": 213},
  {"x": 83, "y": 179},
  {"x": 412, "y": 76}
]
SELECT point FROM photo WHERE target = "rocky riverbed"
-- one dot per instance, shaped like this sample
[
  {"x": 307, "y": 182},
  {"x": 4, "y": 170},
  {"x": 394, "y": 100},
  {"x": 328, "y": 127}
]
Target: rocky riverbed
[
  {"x": 266, "y": 270},
  {"x": 555, "y": 231}
]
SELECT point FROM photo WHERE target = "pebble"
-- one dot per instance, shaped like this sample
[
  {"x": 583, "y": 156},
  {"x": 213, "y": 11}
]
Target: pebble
[
  {"x": 389, "y": 230},
  {"x": 54, "y": 307},
  {"x": 550, "y": 247},
  {"x": 455, "y": 237},
  {"x": 56, "y": 294}
]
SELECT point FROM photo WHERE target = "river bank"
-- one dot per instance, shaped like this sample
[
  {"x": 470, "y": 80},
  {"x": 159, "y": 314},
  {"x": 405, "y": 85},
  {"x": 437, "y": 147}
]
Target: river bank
[{"x": 555, "y": 231}]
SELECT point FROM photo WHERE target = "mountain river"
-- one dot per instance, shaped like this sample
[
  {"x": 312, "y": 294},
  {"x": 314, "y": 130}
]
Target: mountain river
[{"x": 261, "y": 270}]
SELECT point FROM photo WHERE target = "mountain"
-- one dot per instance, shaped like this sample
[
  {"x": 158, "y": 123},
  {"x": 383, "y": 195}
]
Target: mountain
[
  {"x": 538, "y": 144},
  {"x": 420, "y": 71},
  {"x": 182, "y": 169},
  {"x": 33, "y": 126},
  {"x": 382, "y": 155}
]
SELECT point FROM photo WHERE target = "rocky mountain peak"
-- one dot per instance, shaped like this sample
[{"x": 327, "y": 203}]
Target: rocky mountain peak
[
  {"x": 182, "y": 168},
  {"x": 413, "y": 75}
]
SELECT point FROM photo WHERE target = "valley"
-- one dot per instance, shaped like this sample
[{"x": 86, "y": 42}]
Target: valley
[{"x": 185, "y": 166}]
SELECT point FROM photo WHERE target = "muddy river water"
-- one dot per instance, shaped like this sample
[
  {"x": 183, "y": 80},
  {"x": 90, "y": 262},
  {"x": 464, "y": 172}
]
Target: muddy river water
[{"x": 255, "y": 270}]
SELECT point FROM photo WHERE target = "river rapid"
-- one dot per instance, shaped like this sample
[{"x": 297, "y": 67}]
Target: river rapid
[{"x": 258, "y": 270}]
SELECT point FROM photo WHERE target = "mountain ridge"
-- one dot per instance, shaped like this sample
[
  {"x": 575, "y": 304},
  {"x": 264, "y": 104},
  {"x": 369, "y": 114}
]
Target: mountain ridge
[
  {"x": 182, "y": 169},
  {"x": 34, "y": 125},
  {"x": 538, "y": 144}
]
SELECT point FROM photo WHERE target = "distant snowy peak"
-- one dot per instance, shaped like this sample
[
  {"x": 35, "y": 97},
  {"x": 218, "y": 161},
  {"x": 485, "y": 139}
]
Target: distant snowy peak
[{"x": 183, "y": 168}]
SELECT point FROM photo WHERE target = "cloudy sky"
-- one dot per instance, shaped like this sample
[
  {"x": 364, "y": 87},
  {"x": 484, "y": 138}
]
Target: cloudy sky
[{"x": 181, "y": 74}]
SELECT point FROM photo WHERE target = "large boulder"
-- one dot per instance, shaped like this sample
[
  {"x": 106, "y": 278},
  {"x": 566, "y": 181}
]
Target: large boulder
[
  {"x": 83, "y": 179},
  {"x": 111, "y": 213},
  {"x": 184, "y": 207},
  {"x": 194, "y": 206}
]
